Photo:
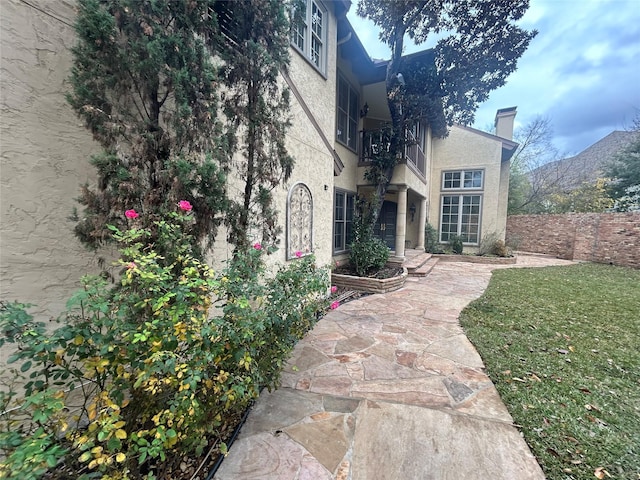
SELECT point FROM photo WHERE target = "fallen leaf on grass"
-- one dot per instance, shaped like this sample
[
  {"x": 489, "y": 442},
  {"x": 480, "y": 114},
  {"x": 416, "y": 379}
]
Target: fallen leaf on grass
[{"x": 600, "y": 473}]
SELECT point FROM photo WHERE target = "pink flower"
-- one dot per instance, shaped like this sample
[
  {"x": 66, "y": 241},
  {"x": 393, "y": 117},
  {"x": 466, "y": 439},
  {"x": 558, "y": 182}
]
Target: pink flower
[
  {"x": 184, "y": 206},
  {"x": 131, "y": 265},
  {"x": 298, "y": 253},
  {"x": 131, "y": 214},
  {"x": 334, "y": 289},
  {"x": 257, "y": 246},
  {"x": 337, "y": 263},
  {"x": 334, "y": 305}
]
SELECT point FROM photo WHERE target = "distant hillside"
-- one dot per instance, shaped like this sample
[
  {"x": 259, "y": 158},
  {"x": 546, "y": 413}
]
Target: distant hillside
[{"x": 587, "y": 165}]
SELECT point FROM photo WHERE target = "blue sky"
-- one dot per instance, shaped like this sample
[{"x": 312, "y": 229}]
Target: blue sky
[{"x": 582, "y": 70}]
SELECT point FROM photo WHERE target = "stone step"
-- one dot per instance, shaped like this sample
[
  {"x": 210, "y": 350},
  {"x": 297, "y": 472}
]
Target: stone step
[
  {"x": 416, "y": 262},
  {"x": 425, "y": 268}
]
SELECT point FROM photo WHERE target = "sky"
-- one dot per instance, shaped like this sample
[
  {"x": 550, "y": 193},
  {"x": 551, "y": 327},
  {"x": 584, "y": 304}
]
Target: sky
[{"x": 582, "y": 70}]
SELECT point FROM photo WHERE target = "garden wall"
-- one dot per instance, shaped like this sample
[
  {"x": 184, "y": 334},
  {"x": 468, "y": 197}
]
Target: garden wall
[{"x": 596, "y": 237}]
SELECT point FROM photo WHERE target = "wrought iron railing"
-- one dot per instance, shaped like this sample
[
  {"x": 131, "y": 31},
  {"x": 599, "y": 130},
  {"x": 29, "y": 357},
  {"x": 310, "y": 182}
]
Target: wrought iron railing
[{"x": 374, "y": 142}]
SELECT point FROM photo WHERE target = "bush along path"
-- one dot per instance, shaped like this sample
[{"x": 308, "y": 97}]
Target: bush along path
[{"x": 141, "y": 377}]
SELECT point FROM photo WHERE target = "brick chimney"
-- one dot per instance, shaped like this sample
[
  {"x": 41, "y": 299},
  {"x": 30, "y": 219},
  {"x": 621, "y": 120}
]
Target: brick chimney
[{"x": 504, "y": 122}]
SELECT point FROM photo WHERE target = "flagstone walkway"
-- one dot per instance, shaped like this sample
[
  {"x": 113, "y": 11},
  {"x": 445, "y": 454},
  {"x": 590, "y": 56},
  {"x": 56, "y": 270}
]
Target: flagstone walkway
[{"x": 388, "y": 387}]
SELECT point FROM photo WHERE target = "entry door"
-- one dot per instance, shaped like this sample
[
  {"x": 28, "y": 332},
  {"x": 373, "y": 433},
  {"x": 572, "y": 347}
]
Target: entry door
[{"x": 385, "y": 228}]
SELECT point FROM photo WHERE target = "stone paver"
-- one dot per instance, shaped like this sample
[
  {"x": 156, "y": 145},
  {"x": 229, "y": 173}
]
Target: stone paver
[{"x": 388, "y": 387}]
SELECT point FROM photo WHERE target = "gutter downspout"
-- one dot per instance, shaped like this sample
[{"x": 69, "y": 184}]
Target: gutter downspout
[{"x": 337, "y": 162}]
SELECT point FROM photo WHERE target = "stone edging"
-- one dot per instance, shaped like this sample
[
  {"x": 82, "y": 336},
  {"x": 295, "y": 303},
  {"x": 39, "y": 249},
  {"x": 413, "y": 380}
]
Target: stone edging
[
  {"x": 371, "y": 285},
  {"x": 476, "y": 259}
]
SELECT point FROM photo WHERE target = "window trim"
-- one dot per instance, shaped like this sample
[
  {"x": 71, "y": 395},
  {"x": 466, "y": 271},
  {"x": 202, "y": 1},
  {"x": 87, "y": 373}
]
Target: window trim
[
  {"x": 461, "y": 196},
  {"x": 462, "y": 173},
  {"x": 309, "y": 34},
  {"x": 356, "y": 117},
  {"x": 346, "y": 194}
]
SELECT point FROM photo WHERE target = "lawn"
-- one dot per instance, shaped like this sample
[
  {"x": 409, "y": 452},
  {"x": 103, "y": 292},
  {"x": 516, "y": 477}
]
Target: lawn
[{"x": 562, "y": 345}]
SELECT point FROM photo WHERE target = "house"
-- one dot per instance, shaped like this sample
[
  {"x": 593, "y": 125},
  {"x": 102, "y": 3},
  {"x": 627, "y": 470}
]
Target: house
[{"x": 458, "y": 183}]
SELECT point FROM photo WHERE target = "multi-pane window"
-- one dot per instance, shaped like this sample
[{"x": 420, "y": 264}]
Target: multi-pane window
[
  {"x": 460, "y": 213},
  {"x": 460, "y": 216},
  {"x": 347, "y": 121},
  {"x": 464, "y": 179},
  {"x": 343, "y": 208},
  {"x": 309, "y": 32}
]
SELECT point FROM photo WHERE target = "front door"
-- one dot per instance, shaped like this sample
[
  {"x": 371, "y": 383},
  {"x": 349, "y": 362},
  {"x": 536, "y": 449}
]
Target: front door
[{"x": 385, "y": 228}]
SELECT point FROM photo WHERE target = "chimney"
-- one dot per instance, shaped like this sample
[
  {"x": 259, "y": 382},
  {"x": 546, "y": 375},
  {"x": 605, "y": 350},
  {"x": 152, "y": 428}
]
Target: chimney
[{"x": 504, "y": 122}]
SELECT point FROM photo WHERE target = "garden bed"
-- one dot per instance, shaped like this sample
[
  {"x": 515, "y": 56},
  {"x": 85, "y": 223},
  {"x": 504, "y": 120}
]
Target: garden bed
[{"x": 395, "y": 280}]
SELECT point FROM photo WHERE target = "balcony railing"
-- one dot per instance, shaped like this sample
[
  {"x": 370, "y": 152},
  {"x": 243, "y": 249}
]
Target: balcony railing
[
  {"x": 375, "y": 142},
  {"x": 413, "y": 153}
]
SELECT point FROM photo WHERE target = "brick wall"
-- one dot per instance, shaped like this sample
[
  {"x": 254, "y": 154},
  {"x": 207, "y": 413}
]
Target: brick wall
[{"x": 596, "y": 237}]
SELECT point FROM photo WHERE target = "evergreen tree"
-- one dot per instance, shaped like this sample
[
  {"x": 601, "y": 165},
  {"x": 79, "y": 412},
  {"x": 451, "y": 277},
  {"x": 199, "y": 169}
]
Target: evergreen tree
[
  {"x": 256, "y": 106},
  {"x": 144, "y": 83},
  {"x": 479, "y": 50},
  {"x": 625, "y": 172}
]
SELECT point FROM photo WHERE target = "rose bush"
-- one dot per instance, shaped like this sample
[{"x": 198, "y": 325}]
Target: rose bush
[{"x": 162, "y": 365}]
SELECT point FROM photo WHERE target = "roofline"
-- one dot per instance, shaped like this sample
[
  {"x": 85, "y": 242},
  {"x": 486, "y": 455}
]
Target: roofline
[{"x": 509, "y": 147}]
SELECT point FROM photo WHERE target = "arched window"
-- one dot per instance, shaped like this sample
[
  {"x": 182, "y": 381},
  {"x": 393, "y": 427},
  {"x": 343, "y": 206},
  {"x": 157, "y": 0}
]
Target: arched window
[{"x": 299, "y": 221}]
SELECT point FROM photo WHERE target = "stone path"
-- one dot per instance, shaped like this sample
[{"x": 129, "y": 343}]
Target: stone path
[{"x": 388, "y": 387}]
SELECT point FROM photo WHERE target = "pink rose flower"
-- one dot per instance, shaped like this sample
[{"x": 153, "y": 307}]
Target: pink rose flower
[
  {"x": 131, "y": 214},
  {"x": 298, "y": 254},
  {"x": 334, "y": 305},
  {"x": 184, "y": 206},
  {"x": 131, "y": 265},
  {"x": 257, "y": 246},
  {"x": 337, "y": 263},
  {"x": 334, "y": 289}
]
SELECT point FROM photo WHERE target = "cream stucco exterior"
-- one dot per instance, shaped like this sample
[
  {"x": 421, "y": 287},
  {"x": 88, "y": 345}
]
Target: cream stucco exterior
[{"x": 45, "y": 151}]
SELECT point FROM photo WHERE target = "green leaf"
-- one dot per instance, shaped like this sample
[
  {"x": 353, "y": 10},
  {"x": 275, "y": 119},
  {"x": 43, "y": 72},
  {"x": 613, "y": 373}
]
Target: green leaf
[{"x": 25, "y": 366}]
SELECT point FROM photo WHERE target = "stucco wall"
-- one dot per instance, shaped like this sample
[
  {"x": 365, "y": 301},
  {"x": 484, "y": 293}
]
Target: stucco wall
[
  {"x": 44, "y": 151},
  {"x": 465, "y": 149},
  {"x": 596, "y": 237}
]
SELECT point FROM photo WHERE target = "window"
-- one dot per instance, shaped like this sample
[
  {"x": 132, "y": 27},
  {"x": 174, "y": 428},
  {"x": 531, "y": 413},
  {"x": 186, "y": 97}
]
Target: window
[
  {"x": 460, "y": 216},
  {"x": 344, "y": 206},
  {"x": 311, "y": 41},
  {"x": 462, "y": 179},
  {"x": 347, "y": 123}
]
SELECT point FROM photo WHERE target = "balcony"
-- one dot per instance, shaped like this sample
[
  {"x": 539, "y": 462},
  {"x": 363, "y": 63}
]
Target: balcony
[{"x": 374, "y": 142}]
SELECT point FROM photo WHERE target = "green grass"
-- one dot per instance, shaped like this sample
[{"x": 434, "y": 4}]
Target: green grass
[{"x": 562, "y": 345}]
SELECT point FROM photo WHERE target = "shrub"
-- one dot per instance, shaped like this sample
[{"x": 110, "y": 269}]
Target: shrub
[
  {"x": 492, "y": 245},
  {"x": 165, "y": 362},
  {"x": 455, "y": 242},
  {"x": 431, "y": 244},
  {"x": 368, "y": 255}
]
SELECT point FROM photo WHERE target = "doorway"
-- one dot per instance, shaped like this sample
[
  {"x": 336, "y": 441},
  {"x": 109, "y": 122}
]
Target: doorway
[{"x": 385, "y": 228}]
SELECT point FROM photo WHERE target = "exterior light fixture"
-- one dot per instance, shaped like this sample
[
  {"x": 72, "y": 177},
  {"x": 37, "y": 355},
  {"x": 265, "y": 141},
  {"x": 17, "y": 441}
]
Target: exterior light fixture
[{"x": 364, "y": 111}]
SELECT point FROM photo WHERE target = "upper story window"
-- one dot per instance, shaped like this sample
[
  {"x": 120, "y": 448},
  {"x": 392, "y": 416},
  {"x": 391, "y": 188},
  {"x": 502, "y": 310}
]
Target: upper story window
[
  {"x": 309, "y": 33},
  {"x": 347, "y": 121},
  {"x": 463, "y": 180}
]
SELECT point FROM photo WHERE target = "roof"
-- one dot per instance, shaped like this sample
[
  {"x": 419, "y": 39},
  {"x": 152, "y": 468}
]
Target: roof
[{"x": 587, "y": 165}]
